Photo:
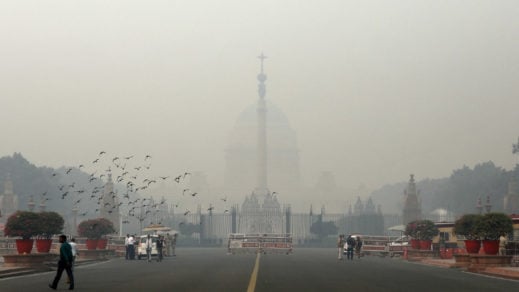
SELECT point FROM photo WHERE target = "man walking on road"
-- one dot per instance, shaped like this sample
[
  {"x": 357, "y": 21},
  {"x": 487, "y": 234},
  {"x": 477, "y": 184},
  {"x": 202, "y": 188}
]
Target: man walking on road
[{"x": 64, "y": 263}]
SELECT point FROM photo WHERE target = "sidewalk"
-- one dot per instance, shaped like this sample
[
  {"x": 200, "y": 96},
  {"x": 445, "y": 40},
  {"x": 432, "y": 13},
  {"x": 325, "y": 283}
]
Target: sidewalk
[
  {"x": 6, "y": 272},
  {"x": 503, "y": 272}
]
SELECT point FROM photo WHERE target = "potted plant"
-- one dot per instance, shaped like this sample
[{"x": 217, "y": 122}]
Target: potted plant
[
  {"x": 426, "y": 230},
  {"x": 51, "y": 223},
  {"x": 466, "y": 225},
  {"x": 106, "y": 227},
  {"x": 94, "y": 229},
  {"x": 412, "y": 231},
  {"x": 491, "y": 227},
  {"x": 24, "y": 224}
]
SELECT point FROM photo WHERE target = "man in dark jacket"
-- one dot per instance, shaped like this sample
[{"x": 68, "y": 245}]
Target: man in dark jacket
[{"x": 64, "y": 263}]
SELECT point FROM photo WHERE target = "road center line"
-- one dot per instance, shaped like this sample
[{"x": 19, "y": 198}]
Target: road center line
[{"x": 254, "y": 276}]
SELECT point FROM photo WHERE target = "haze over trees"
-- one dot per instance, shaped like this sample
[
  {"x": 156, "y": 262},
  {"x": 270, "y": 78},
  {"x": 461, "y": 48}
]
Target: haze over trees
[{"x": 457, "y": 193}]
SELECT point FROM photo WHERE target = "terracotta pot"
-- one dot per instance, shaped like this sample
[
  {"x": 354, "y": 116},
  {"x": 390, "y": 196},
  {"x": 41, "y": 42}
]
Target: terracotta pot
[
  {"x": 425, "y": 244},
  {"x": 472, "y": 245},
  {"x": 415, "y": 244},
  {"x": 24, "y": 246},
  {"x": 102, "y": 243},
  {"x": 43, "y": 245},
  {"x": 91, "y": 244},
  {"x": 491, "y": 247}
]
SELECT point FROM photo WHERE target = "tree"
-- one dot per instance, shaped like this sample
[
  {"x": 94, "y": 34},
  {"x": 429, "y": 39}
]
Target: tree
[
  {"x": 323, "y": 229},
  {"x": 189, "y": 228}
]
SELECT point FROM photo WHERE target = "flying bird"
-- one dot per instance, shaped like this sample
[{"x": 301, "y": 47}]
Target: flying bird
[
  {"x": 147, "y": 156},
  {"x": 101, "y": 153}
]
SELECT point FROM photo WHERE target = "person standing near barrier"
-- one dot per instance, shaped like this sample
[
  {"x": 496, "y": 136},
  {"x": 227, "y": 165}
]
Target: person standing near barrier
[
  {"x": 351, "y": 245},
  {"x": 131, "y": 247},
  {"x": 340, "y": 246},
  {"x": 127, "y": 246},
  {"x": 174, "y": 244},
  {"x": 358, "y": 246},
  {"x": 502, "y": 245},
  {"x": 159, "y": 244},
  {"x": 64, "y": 263},
  {"x": 149, "y": 246}
]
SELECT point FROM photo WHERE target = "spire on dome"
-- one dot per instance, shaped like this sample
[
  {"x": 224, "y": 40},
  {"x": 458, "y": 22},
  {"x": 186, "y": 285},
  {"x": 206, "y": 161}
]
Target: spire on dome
[{"x": 262, "y": 77}]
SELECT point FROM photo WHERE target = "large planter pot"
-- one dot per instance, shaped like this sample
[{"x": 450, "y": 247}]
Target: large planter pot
[
  {"x": 472, "y": 245},
  {"x": 24, "y": 246},
  {"x": 102, "y": 243},
  {"x": 425, "y": 244},
  {"x": 491, "y": 247},
  {"x": 43, "y": 245},
  {"x": 91, "y": 244},
  {"x": 415, "y": 244}
]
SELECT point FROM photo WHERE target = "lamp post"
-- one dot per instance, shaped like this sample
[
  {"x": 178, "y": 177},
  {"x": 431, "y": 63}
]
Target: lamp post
[
  {"x": 31, "y": 204},
  {"x": 479, "y": 206},
  {"x": 488, "y": 206},
  {"x": 75, "y": 211}
]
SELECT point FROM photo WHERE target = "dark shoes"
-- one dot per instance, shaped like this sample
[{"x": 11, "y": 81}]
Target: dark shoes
[{"x": 52, "y": 287}]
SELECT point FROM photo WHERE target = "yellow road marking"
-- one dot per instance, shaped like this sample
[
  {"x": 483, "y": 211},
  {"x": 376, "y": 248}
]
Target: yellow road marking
[{"x": 254, "y": 276}]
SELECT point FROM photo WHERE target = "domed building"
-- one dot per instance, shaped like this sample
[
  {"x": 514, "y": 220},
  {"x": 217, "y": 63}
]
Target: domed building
[{"x": 283, "y": 172}]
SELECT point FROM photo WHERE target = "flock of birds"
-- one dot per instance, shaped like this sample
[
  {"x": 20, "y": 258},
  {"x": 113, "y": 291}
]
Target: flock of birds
[{"x": 126, "y": 172}]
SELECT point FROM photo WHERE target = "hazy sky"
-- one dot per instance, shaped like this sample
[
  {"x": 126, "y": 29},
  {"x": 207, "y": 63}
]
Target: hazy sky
[{"x": 375, "y": 90}]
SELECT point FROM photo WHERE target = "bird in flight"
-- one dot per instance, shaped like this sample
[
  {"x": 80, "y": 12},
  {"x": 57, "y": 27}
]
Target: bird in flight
[
  {"x": 147, "y": 156},
  {"x": 163, "y": 177},
  {"x": 184, "y": 191},
  {"x": 186, "y": 173},
  {"x": 101, "y": 153},
  {"x": 187, "y": 212},
  {"x": 95, "y": 161}
]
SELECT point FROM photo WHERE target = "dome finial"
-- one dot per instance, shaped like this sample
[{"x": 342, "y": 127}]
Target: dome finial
[{"x": 262, "y": 90}]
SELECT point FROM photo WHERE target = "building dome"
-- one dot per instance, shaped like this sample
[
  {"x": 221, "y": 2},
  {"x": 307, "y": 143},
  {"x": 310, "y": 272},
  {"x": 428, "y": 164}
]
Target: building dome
[{"x": 282, "y": 152}]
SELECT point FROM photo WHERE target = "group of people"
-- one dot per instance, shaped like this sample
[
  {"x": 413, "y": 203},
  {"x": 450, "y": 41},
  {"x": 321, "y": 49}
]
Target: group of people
[
  {"x": 165, "y": 246},
  {"x": 350, "y": 244}
]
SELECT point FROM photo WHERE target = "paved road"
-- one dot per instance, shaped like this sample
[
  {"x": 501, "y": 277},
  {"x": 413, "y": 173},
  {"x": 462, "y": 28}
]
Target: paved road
[{"x": 305, "y": 270}]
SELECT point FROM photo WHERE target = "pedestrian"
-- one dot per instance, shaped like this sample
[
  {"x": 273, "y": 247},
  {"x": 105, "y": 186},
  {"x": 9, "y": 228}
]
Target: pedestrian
[
  {"x": 64, "y": 263},
  {"x": 131, "y": 247},
  {"x": 169, "y": 243},
  {"x": 75, "y": 254},
  {"x": 127, "y": 247},
  {"x": 174, "y": 244},
  {"x": 358, "y": 246},
  {"x": 502, "y": 245},
  {"x": 340, "y": 246},
  {"x": 351, "y": 245},
  {"x": 159, "y": 244},
  {"x": 149, "y": 245}
]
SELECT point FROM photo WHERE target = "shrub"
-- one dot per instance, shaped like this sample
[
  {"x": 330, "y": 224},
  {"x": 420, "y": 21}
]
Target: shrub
[
  {"x": 95, "y": 228},
  {"x": 24, "y": 224},
  {"x": 493, "y": 225},
  {"x": 466, "y": 225},
  {"x": 421, "y": 229},
  {"x": 51, "y": 223}
]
